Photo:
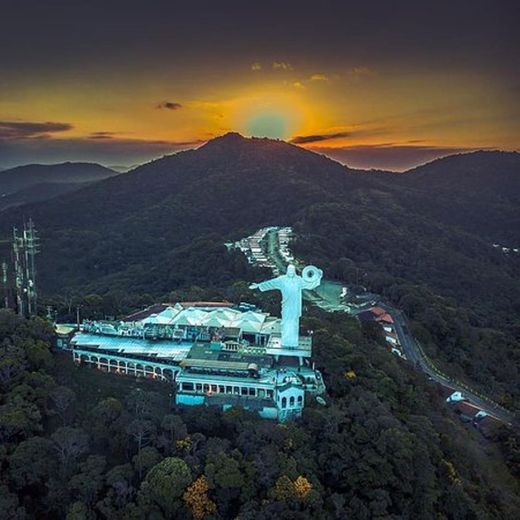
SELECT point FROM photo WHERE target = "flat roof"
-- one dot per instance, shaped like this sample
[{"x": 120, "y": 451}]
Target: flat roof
[
  {"x": 270, "y": 378},
  {"x": 123, "y": 344},
  {"x": 214, "y": 364},
  {"x": 215, "y": 378},
  {"x": 202, "y": 353}
]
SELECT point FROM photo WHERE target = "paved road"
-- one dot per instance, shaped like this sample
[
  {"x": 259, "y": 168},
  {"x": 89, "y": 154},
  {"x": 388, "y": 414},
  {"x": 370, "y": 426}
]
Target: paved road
[
  {"x": 328, "y": 298},
  {"x": 272, "y": 251},
  {"x": 415, "y": 354}
]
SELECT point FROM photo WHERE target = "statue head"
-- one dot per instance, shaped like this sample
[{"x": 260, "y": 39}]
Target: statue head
[{"x": 291, "y": 271}]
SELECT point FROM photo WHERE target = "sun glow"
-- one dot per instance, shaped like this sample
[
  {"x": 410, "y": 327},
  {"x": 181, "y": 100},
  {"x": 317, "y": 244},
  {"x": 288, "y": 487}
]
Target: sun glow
[{"x": 275, "y": 115}]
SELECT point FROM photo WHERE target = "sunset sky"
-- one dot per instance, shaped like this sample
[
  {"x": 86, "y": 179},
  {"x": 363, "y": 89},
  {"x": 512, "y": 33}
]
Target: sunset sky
[{"x": 374, "y": 84}]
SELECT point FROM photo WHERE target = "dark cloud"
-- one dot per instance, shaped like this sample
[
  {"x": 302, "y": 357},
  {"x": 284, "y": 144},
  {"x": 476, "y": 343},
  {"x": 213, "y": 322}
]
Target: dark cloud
[
  {"x": 305, "y": 139},
  {"x": 102, "y": 135},
  {"x": 439, "y": 34},
  {"x": 30, "y": 130},
  {"x": 356, "y": 132},
  {"x": 169, "y": 105}
]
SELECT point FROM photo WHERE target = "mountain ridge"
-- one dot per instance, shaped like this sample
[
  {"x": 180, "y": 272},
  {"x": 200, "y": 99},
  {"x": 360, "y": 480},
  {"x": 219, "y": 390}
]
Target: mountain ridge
[
  {"x": 39, "y": 182},
  {"x": 227, "y": 187},
  {"x": 497, "y": 168}
]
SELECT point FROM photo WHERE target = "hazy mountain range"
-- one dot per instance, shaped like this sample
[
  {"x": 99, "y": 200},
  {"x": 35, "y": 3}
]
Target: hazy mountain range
[
  {"x": 231, "y": 185},
  {"x": 37, "y": 182}
]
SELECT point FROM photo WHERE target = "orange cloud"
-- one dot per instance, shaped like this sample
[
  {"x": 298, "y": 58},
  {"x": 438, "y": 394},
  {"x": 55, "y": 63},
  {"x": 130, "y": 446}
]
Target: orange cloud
[
  {"x": 282, "y": 65},
  {"x": 319, "y": 77}
]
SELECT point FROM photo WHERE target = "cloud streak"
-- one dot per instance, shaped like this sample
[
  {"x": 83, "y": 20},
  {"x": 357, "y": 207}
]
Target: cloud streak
[
  {"x": 344, "y": 134},
  {"x": 169, "y": 105},
  {"x": 14, "y": 130},
  {"x": 316, "y": 138},
  {"x": 102, "y": 135},
  {"x": 319, "y": 77}
]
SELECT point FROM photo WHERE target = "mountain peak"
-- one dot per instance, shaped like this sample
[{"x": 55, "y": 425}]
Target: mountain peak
[{"x": 229, "y": 138}]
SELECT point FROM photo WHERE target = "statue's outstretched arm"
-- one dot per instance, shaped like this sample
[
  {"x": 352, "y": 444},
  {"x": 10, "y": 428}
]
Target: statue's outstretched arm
[{"x": 268, "y": 285}]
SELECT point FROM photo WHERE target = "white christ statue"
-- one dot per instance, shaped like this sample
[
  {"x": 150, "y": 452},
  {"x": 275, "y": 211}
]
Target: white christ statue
[{"x": 291, "y": 286}]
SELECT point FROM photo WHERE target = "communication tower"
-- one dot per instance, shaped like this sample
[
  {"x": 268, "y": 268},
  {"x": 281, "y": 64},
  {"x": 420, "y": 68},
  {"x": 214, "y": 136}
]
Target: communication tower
[
  {"x": 25, "y": 248},
  {"x": 5, "y": 285}
]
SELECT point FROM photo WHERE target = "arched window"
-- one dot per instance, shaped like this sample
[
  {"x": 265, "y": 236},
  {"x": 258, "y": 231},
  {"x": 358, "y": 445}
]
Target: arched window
[
  {"x": 291, "y": 401},
  {"x": 300, "y": 399},
  {"x": 284, "y": 402}
]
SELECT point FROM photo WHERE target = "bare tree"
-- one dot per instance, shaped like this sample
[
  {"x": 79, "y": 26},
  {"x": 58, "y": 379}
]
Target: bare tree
[
  {"x": 70, "y": 444},
  {"x": 62, "y": 399}
]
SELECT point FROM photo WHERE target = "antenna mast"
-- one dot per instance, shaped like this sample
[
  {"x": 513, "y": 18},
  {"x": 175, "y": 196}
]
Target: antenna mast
[
  {"x": 31, "y": 250},
  {"x": 5, "y": 286},
  {"x": 25, "y": 248}
]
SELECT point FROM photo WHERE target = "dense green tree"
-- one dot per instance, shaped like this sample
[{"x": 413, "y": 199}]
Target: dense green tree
[
  {"x": 18, "y": 420},
  {"x": 146, "y": 459},
  {"x": 165, "y": 483},
  {"x": 32, "y": 462},
  {"x": 10, "y": 505},
  {"x": 88, "y": 482},
  {"x": 80, "y": 511}
]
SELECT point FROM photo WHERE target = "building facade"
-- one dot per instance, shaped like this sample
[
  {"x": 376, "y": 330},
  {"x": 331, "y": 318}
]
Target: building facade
[{"x": 214, "y": 354}]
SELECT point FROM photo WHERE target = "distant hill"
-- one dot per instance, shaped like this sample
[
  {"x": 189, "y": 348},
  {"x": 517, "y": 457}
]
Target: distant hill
[
  {"x": 494, "y": 173},
  {"x": 35, "y": 182},
  {"x": 479, "y": 192},
  {"x": 39, "y": 192}
]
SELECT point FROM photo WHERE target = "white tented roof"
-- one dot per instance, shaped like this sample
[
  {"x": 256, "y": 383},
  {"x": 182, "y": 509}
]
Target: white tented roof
[
  {"x": 189, "y": 317},
  {"x": 165, "y": 317},
  {"x": 258, "y": 317},
  {"x": 249, "y": 322}
]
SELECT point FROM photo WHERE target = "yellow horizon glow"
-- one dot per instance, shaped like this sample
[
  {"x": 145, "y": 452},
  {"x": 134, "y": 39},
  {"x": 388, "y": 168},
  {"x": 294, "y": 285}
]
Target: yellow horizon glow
[{"x": 369, "y": 107}]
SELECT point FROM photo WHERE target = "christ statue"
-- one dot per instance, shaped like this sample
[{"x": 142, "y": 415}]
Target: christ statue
[{"x": 291, "y": 286}]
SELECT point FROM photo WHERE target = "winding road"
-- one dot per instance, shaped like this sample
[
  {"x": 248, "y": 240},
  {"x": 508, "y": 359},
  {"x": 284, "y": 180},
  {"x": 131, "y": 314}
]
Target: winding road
[{"x": 415, "y": 354}]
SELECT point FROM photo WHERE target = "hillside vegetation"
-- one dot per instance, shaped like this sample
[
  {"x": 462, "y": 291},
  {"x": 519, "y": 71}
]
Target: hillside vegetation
[
  {"x": 385, "y": 446},
  {"x": 78, "y": 443}
]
